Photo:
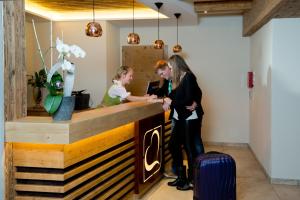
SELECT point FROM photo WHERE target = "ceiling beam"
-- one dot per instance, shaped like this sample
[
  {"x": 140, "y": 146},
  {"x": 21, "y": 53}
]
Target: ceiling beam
[
  {"x": 262, "y": 11},
  {"x": 222, "y": 6}
]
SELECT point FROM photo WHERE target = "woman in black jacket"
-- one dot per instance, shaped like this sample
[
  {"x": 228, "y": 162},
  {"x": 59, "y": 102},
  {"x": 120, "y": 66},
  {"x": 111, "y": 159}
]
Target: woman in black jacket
[{"x": 187, "y": 129}]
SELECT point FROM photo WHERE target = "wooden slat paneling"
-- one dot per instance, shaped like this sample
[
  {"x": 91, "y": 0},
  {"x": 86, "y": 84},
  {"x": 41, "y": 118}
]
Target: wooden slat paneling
[
  {"x": 167, "y": 136},
  {"x": 97, "y": 187},
  {"x": 60, "y": 177},
  {"x": 109, "y": 167}
]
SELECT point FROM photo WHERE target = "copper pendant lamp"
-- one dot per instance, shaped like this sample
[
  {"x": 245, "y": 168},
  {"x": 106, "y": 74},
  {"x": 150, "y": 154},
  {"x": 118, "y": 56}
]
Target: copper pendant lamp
[
  {"x": 177, "y": 48},
  {"x": 133, "y": 38},
  {"x": 93, "y": 29},
  {"x": 158, "y": 44}
]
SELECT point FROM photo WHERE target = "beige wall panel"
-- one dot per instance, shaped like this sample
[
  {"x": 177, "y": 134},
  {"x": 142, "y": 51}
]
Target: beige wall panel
[{"x": 142, "y": 59}]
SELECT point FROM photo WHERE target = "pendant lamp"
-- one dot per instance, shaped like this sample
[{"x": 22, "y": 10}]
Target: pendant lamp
[
  {"x": 93, "y": 29},
  {"x": 133, "y": 38},
  {"x": 158, "y": 44},
  {"x": 177, "y": 48}
]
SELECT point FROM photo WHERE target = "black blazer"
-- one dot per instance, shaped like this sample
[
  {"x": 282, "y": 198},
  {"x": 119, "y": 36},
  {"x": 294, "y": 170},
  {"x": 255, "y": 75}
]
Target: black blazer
[
  {"x": 163, "y": 90},
  {"x": 184, "y": 95}
]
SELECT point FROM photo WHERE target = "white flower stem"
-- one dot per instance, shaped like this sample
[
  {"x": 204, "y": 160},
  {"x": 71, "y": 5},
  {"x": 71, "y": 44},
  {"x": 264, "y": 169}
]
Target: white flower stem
[{"x": 39, "y": 47}]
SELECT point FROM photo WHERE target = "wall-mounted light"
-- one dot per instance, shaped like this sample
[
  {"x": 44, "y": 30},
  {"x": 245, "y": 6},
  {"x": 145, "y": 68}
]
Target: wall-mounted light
[
  {"x": 93, "y": 29},
  {"x": 133, "y": 38},
  {"x": 158, "y": 44},
  {"x": 177, "y": 48}
]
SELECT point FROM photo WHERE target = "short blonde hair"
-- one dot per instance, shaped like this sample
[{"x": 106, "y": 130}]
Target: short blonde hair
[{"x": 123, "y": 70}]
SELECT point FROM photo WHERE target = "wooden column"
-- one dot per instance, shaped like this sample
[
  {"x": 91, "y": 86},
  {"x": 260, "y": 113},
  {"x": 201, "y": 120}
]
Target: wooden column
[{"x": 15, "y": 84}]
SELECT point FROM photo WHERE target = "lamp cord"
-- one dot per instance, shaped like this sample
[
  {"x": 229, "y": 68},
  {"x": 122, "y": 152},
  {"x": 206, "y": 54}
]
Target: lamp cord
[
  {"x": 133, "y": 16},
  {"x": 158, "y": 23},
  {"x": 93, "y": 11},
  {"x": 177, "y": 31}
]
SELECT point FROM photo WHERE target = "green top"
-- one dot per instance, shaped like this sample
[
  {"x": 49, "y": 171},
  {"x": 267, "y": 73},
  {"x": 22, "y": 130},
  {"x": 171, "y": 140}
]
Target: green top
[{"x": 110, "y": 101}]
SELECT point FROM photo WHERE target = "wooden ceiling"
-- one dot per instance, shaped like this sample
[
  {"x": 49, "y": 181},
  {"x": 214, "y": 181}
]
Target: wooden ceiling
[
  {"x": 86, "y": 5},
  {"x": 255, "y": 13},
  {"x": 222, "y": 7}
]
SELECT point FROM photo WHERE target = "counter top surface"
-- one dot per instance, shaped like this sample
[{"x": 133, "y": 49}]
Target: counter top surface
[{"x": 82, "y": 125}]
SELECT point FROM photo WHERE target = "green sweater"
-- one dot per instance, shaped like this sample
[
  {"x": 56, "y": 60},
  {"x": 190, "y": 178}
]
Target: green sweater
[{"x": 110, "y": 101}]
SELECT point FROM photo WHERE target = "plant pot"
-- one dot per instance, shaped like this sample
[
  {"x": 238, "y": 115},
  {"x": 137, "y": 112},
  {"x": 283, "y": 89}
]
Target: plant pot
[
  {"x": 65, "y": 109},
  {"x": 37, "y": 96}
]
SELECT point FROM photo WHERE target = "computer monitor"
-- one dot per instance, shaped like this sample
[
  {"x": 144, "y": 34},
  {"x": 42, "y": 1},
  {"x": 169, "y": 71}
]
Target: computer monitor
[{"x": 152, "y": 87}]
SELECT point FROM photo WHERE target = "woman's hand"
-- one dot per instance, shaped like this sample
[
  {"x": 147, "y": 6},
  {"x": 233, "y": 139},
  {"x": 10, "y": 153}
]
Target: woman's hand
[
  {"x": 166, "y": 106},
  {"x": 168, "y": 101},
  {"x": 192, "y": 107},
  {"x": 152, "y": 98}
]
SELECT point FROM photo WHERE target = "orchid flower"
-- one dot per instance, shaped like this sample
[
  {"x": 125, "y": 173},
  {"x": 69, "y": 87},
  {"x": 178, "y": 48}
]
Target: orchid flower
[{"x": 68, "y": 67}]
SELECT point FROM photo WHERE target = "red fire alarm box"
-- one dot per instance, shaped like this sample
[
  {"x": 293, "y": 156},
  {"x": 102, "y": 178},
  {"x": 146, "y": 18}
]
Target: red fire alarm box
[{"x": 250, "y": 80}]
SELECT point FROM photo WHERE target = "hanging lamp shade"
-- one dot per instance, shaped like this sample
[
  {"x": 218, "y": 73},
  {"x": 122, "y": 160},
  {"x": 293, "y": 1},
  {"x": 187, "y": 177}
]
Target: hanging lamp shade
[
  {"x": 93, "y": 29},
  {"x": 133, "y": 38},
  {"x": 158, "y": 44},
  {"x": 177, "y": 48}
]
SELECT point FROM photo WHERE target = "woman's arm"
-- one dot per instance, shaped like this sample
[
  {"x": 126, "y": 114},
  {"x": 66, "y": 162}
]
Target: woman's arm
[{"x": 141, "y": 98}]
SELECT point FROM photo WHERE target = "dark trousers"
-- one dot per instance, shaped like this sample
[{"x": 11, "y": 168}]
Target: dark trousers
[{"x": 188, "y": 134}]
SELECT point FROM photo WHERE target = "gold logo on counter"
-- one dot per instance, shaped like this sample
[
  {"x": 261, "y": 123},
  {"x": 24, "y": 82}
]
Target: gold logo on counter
[{"x": 152, "y": 152}]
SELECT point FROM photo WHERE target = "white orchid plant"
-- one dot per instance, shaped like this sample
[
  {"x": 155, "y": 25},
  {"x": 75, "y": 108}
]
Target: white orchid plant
[{"x": 57, "y": 85}]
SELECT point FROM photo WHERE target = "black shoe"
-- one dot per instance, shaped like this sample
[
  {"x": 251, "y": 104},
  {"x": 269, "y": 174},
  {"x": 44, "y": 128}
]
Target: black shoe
[
  {"x": 176, "y": 182},
  {"x": 185, "y": 186},
  {"x": 181, "y": 180}
]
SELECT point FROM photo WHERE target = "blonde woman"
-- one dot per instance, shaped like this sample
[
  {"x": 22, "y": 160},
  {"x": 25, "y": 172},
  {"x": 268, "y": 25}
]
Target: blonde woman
[
  {"x": 117, "y": 93},
  {"x": 187, "y": 112}
]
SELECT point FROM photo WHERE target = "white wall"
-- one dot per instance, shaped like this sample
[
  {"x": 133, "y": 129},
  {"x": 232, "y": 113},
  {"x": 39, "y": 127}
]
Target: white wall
[
  {"x": 275, "y": 103},
  {"x": 260, "y": 100},
  {"x": 113, "y": 52},
  {"x": 286, "y": 99},
  {"x": 91, "y": 70},
  {"x": 2, "y": 153},
  {"x": 219, "y": 56}
]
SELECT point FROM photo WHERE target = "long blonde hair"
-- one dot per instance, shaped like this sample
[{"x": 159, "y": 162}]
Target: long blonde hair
[
  {"x": 123, "y": 70},
  {"x": 179, "y": 67}
]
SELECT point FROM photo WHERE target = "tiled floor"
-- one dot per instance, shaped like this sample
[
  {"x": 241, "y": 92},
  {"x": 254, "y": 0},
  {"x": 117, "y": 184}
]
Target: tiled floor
[{"x": 252, "y": 184}]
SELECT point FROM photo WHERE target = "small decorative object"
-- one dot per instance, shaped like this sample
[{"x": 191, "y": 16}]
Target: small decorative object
[
  {"x": 158, "y": 44},
  {"x": 133, "y": 38},
  {"x": 59, "y": 101},
  {"x": 38, "y": 82},
  {"x": 93, "y": 29},
  {"x": 177, "y": 48}
]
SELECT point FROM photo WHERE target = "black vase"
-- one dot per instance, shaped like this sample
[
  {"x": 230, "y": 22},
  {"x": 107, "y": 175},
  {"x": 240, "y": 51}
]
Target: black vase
[{"x": 65, "y": 110}]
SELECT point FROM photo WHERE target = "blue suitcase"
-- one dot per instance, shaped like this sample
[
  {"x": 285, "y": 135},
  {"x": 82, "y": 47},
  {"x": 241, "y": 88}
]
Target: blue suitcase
[{"x": 214, "y": 177}]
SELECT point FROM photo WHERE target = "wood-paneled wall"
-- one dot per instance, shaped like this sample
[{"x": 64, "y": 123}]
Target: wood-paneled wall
[{"x": 15, "y": 84}]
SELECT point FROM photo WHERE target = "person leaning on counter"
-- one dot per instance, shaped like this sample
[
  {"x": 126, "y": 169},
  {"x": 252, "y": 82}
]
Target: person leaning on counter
[{"x": 117, "y": 93}]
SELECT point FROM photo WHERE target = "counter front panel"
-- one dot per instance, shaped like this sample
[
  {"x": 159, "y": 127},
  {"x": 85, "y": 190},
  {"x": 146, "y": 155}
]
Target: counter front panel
[{"x": 122, "y": 160}]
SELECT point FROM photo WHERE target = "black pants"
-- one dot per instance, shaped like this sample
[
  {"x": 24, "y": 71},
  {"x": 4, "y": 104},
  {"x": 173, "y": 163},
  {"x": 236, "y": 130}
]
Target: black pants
[{"x": 188, "y": 134}]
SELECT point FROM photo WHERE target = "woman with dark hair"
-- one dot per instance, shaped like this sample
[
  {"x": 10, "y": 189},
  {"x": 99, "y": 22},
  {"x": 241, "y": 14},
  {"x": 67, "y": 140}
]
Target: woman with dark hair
[{"x": 187, "y": 130}]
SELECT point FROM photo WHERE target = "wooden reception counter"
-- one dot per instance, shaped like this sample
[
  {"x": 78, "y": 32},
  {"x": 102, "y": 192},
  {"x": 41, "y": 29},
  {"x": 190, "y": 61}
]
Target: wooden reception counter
[{"x": 107, "y": 153}]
